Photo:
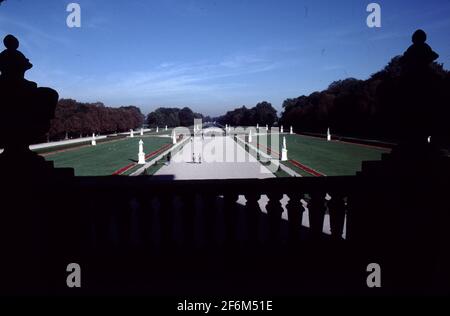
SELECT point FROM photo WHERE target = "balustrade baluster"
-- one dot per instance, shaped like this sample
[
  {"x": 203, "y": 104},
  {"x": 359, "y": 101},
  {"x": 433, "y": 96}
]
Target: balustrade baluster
[
  {"x": 188, "y": 211},
  {"x": 209, "y": 215},
  {"x": 144, "y": 219},
  {"x": 295, "y": 216},
  {"x": 274, "y": 211},
  {"x": 165, "y": 221},
  {"x": 336, "y": 208},
  {"x": 253, "y": 213},
  {"x": 123, "y": 210},
  {"x": 100, "y": 212},
  {"x": 316, "y": 211},
  {"x": 230, "y": 217}
]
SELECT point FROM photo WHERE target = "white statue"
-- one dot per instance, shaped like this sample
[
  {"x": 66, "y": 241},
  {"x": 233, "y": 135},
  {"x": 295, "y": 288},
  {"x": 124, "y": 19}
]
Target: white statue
[
  {"x": 281, "y": 130},
  {"x": 328, "y": 134},
  {"x": 284, "y": 150},
  {"x": 291, "y": 131},
  {"x": 142, "y": 131},
  {"x": 174, "y": 137},
  {"x": 93, "y": 141},
  {"x": 157, "y": 129},
  {"x": 141, "y": 155},
  {"x": 131, "y": 133}
]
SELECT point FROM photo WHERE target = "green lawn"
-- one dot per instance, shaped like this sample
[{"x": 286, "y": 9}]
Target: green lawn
[
  {"x": 330, "y": 158},
  {"x": 75, "y": 145},
  {"x": 279, "y": 173},
  {"x": 105, "y": 158}
]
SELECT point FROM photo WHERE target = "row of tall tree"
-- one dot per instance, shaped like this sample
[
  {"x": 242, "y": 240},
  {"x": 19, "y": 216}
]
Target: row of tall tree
[
  {"x": 376, "y": 107},
  {"x": 75, "y": 119},
  {"x": 263, "y": 113},
  {"x": 173, "y": 117}
]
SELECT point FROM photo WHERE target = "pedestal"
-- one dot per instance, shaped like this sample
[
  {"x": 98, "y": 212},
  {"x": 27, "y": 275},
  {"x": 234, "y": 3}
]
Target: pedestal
[
  {"x": 141, "y": 158},
  {"x": 284, "y": 154}
]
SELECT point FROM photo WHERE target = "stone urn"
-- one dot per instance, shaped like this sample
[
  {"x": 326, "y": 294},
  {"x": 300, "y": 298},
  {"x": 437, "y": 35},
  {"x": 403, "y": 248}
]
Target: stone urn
[{"x": 25, "y": 109}]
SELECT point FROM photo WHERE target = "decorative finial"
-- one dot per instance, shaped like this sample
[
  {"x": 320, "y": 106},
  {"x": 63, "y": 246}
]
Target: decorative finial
[
  {"x": 419, "y": 37},
  {"x": 11, "y": 42},
  {"x": 12, "y": 62}
]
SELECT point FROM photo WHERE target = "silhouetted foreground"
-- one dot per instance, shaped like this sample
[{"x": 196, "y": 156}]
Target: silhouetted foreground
[
  {"x": 410, "y": 96},
  {"x": 147, "y": 235},
  {"x": 25, "y": 112}
]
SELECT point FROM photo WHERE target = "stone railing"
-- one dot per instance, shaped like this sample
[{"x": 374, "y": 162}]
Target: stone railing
[
  {"x": 225, "y": 235},
  {"x": 127, "y": 203}
]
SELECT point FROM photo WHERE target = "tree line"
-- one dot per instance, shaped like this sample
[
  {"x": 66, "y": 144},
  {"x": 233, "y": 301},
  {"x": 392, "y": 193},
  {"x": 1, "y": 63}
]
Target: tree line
[
  {"x": 76, "y": 119},
  {"x": 263, "y": 113},
  {"x": 376, "y": 107},
  {"x": 173, "y": 117}
]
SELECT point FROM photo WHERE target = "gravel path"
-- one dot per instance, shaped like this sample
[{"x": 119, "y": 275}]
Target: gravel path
[{"x": 221, "y": 158}]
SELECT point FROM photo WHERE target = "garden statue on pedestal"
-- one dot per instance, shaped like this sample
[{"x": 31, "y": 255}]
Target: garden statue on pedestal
[
  {"x": 411, "y": 98},
  {"x": 25, "y": 111}
]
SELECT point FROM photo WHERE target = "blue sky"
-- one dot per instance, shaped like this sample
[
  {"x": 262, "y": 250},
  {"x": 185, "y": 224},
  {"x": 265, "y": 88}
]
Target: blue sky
[{"x": 213, "y": 55}]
